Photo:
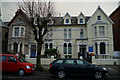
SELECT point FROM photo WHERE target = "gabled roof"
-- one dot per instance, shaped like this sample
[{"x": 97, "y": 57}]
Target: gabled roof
[
  {"x": 19, "y": 11},
  {"x": 81, "y": 14},
  {"x": 67, "y": 14},
  {"x": 103, "y": 13}
]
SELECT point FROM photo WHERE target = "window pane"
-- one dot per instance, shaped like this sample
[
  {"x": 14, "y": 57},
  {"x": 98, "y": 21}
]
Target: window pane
[
  {"x": 65, "y": 48},
  {"x": 51, "y": 45},
  {"x": 95, "y": 31},
  {"x": 67, "y": 20},
  {"x": 79, "y": 62},
  {"x": 81, "y": 33},
  {"x": 102, "y": 48},
  {"x": 98, "y": 17},
  {"x": 11, "y": 59},
  {"x": 22, "y": 31},
  {"x": 59, "y": 61},
  {"x": 46, "y": 46},
  {"x": 70, "y": 61},
  {"x": 69, "y": 33},
  {"x": 16, "y": 31},
  {"x": 15, "y": 47},
  {"x": 69, "y": 48},
  {"x": 3, "y": 58},
  {"x": 65, "y": 33},
  {"x": 101, "y": 31},
  {"x": 81, "y": 20}
]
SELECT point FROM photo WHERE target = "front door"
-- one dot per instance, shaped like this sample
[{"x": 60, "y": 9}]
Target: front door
[
  {"x": 82, "y": 51},
  {"x": 33, "y": 51}
]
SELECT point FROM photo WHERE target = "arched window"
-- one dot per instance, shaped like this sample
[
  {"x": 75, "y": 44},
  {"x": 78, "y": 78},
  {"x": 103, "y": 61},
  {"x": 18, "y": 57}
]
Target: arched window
[
  {"x": 65, "y": 48},
  {"x": 102, "y": 48},
  {"x": 21, "y": 48},
  {"x": 51, "y": 45},
  {"x": 46, "y": 46},
  {"x": 69, "y": 48},
  {"x": 96, "y": 48},
  {"x": 15, "y": 47}
]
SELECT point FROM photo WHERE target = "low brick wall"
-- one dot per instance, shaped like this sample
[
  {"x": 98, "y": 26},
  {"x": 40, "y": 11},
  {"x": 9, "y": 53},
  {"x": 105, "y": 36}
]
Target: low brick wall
[
  {"x": 44, "y": 61},
  {"x": 107, "y": 61}
]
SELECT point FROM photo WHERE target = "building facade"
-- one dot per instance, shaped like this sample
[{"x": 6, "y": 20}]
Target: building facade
[
  {"x": 116, "y": 30},
  {"x": 76, "y": 36}
]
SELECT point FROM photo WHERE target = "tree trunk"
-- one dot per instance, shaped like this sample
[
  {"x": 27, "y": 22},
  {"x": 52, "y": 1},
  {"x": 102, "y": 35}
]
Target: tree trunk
[{"x": 38, "y": 60}]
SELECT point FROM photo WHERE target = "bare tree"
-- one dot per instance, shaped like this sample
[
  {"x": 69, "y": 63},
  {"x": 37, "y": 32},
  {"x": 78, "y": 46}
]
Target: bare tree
[{"x": 44, "y": 11}]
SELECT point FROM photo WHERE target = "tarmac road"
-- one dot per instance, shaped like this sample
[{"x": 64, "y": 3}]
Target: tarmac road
[
  {"x": 114, "y": 74},
  {"x": 47, "y": 76}
]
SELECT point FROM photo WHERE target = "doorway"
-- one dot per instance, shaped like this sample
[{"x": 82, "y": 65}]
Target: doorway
[{"x": 82, "y": 51}]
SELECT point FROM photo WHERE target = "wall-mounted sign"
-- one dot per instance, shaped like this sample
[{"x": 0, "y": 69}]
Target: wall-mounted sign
[{"x": 90, "y": 49}]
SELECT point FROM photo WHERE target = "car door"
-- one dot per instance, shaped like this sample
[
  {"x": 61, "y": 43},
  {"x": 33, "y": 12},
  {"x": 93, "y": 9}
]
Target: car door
[
  {"x": 70, "y": 67},
  {"x": 4, "y": 62},
  {"x": 83, "y": 67},
  {"x": 12, "y": 64}
]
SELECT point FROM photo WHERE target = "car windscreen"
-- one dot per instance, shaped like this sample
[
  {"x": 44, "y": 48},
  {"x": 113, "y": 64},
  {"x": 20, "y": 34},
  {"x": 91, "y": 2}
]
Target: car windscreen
[{"x": 21, "y": 59}]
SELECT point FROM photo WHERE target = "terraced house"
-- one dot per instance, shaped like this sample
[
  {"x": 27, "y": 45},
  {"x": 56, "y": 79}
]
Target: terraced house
[{"x": 72, "y": 35}]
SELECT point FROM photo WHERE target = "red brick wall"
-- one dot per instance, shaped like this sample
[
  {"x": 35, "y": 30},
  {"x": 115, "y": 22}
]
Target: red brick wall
[{"x": 116, "y": 28}]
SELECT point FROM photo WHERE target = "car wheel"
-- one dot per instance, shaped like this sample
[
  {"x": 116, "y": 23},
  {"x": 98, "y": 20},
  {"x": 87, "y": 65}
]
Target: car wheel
[
  {"x": 21, "y": 72},
  {"x": 61, "y": 74},
  {"x": 98, "y": 75}
]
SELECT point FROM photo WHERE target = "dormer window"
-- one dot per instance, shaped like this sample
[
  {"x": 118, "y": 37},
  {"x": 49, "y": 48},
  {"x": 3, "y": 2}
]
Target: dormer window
[
  {"x": 67, "y": 20},
  {"x": 81, "y": 20},
  {"x": 98, "y": 17}
]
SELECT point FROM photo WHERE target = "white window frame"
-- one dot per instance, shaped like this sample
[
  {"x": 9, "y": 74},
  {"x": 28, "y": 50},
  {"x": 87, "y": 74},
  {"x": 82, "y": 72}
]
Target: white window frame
[
  {"x": 67, "y": 48},
  {"x": 20, "y": 27}
]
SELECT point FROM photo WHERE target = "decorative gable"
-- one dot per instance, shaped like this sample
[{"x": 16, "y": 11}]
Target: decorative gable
[
  {"x": 81, "y": 18},
  {"x": 99, "y": 15},
  {"x": 67, "y": 18}
]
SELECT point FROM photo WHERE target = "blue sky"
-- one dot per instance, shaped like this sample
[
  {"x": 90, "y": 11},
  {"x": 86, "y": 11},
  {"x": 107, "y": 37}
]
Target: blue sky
[{"x": 73, "y": 7}]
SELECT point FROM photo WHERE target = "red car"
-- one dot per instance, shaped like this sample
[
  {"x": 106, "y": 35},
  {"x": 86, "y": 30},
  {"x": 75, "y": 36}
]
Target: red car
[{"x": 16, "y": 63}]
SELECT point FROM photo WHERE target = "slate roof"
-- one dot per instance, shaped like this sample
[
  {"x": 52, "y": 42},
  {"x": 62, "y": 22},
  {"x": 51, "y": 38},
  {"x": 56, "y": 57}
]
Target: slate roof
[{"x": 58, "y": 21}]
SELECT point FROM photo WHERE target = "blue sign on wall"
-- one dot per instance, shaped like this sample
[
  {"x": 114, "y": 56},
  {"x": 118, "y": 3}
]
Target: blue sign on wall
[{"x": 90, "y": 49}]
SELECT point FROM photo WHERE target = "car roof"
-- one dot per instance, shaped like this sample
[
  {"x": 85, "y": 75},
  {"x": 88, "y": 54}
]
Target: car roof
[
  {"x": 9, "y": 55},
  {"x": 69, "y": 59}
]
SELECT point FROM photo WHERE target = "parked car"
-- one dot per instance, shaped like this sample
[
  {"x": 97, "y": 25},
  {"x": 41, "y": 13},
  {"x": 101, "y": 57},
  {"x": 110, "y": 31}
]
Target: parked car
[
  {"x": 16, "y": 63},
  {"x": 68, "y": 67}
]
